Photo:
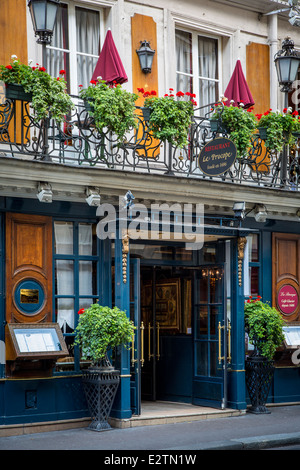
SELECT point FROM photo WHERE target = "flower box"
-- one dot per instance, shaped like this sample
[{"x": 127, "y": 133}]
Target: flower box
[
  {"x": 262, "y": 132},
  {"x": 217, "y": 126},
  {"x": 146, "y": 113},
  {"x": 17, "y": 92}
]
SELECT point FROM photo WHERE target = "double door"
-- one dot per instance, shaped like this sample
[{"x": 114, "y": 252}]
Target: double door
[{"x": 209, "y": 333}]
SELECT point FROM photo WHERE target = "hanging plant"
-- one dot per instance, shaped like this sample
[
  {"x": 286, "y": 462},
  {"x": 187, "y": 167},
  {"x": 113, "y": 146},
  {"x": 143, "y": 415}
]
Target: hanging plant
[
  {"x": 240, "y": 124},
  {"x": 170, "y": 116},
  {"x": 111, "y": 106},
  {"x": 48, "y": 94},
  {"x": 279, "y": 127}
]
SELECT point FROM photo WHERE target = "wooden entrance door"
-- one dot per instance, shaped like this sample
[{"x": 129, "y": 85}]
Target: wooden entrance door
[
  {"x": 28, "y": 268},
  {"x": 286, "y": 275}
]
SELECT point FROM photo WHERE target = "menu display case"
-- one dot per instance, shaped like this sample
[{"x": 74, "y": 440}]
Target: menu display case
[{"x": 34, "y": 347}]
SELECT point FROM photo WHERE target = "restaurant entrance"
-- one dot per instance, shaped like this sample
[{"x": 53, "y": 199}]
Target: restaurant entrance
[{"x": 182, "y": 334}]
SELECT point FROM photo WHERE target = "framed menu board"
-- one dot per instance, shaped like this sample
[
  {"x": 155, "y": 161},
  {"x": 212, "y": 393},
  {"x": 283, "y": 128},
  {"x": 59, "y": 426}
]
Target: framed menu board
[{"x": 34, "y": 340}]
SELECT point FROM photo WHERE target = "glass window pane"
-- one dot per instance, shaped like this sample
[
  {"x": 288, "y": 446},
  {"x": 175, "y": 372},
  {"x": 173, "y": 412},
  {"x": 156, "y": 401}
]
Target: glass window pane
[
  {"x": 63, "y": 238},
  {"x": 254, "y": 280},
  {"x": 87, "y": 239},
  {"x": 253, "y": 248},
  {"x": 64, "y": 310},
  {"x": 64, "y": 277},
  {"x": 202, "y": 327},
  {"x": 208, "y": 57},
  {"x": 87, "y": 278},
  {"x": 87, "y": 42},
  {"x": 184, "y": 62},
  {"x": 86, "y": 303},
  {"x": 60, "y": 36},
  {"x": 201, "y": 358}
]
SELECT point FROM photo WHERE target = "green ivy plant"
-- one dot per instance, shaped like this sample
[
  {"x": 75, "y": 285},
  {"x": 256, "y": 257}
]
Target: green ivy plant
[
  {"x": 280, "y": 127},
  {"x": 49, "y": 96},
  {"x": 170, "y": 115},
  {"x": 240, "y": 124},
  {"x": 112, "y": 107},
  {"x": 264, "y": 326},
  {"x": 100, "y": 329}
]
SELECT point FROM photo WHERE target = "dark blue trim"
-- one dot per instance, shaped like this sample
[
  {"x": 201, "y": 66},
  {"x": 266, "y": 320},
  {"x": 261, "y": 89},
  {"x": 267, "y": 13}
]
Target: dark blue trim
[{"x": 2, "y": 289}]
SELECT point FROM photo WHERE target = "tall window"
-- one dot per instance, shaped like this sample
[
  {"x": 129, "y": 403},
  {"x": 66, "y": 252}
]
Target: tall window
[
  {"x": 75, "y": 46},
  {"x": 197, "y": 66},
  {"x": 76, "y": 261}
]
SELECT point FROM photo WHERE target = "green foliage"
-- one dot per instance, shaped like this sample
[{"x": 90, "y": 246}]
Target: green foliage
[
  {"x": 112, "y": 107},
  {"x": 100, "y": 329},
  {"x": 239, "y": 123},
  {"x": 49, "y": 97},
  {"x": 263, "y": 324},
  {"x": 280, "y": 127},
  {"x": 170, "y": 119}
]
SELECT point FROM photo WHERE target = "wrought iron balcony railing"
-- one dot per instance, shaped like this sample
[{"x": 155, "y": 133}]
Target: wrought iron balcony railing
[{"x": 76, "y": 141}]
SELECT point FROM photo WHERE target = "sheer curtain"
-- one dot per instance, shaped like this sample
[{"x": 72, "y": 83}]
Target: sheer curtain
[
  {"x": 58, "y": 56},
  {"x": 87, "y": 43},
  {"x": 65, "y": 283},
  {"x": 184, "y": 61},
  {"x": 208, "y": 69},
  {"x": 63, "y": 233}
]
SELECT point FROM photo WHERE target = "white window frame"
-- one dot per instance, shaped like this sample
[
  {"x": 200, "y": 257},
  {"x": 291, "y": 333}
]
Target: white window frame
[
  {"x": 195, "y": 75},
  {"x": 72, "y": 43}
]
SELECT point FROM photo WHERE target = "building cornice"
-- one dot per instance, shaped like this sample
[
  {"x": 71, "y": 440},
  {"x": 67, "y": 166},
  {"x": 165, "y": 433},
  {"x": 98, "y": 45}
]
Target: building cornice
[{"x": 20, "y": 178}]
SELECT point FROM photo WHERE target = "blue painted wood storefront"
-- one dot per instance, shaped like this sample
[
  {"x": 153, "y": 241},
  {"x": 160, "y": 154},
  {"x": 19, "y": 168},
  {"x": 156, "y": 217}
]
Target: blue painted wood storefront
[{"x": 177, "y": 376}]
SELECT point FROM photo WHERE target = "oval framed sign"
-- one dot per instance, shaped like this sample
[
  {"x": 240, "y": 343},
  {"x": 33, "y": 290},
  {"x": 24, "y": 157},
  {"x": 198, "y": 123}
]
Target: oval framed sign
[
  {"x": 217, "y": 156},
  {"x": 287, "y": 299}
]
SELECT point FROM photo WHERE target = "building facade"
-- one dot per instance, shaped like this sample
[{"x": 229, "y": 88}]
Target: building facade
[{"x": 187, "y": 303}]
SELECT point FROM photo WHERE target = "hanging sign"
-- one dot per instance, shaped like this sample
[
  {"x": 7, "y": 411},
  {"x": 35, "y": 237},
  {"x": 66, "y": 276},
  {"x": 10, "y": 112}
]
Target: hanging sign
[
  {"x": 287, "y": 299},
  {"x": 217, "y": 156}
]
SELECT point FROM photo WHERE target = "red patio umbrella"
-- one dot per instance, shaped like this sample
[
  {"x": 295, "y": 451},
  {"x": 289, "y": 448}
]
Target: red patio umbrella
[
  {"x": 237, "y": 89},
  {"x": 109, "y": 65}
]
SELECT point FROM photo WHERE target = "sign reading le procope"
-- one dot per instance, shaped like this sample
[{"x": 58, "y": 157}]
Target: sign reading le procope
[{"x": 217, "y": 156}]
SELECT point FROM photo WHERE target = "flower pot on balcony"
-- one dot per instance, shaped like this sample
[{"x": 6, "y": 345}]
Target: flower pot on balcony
[
  {"x": 217, "y": 126},
  {"x": 146, "y": 113},
  {"x": 100, "y": 384},
  {"x": 17, "y": 92},
  {"x": 262, "y": 132}
]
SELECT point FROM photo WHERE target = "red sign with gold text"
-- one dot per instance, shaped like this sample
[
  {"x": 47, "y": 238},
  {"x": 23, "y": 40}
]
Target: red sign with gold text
[{"x": 287, "y": 299}]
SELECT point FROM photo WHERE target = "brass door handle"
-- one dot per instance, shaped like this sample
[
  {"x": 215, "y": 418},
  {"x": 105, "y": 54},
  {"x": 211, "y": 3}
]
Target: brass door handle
[
  {"x": 142, "y": 344},
  {"x": 220, "y": 347},
  {"x": 229, "y": 342},
  {"x": 149, "y": 342},
  {"x": 157, "y": 339},
  {"x": 133, "y": 360}
]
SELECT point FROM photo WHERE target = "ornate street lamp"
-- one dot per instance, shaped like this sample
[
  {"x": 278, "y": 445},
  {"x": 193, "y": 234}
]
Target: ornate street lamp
[
  {"x": 43, "y": 15},
  {"x": 146, "y": 55},
  {"x": 287, "y": 62}
]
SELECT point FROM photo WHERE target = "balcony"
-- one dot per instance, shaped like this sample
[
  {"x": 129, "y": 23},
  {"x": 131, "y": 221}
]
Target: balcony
[{"x": 76, "y": 142}]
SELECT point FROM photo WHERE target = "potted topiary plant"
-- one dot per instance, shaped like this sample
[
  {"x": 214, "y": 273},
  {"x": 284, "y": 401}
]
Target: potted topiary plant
[
  {"x": 99, "y": 330},
  {"x": 264, "y": 326},
  {"x": 47, "y": 94},
  {"x": 236, "y": 121},
  {"x": 111, "y": 106},
  {"x": 169, "y": 118},
  {"x": 278, "y": 129}
]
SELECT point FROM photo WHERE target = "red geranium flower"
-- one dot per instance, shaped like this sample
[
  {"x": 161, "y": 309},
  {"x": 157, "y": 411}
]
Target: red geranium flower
[
  {"x": 62, "y": 72},
  {"x": 93, "y": 82},
  {"x": 42, "y": 69},
  {"x": 80, "y": 311},
  {"x": 9, "y": 67}
]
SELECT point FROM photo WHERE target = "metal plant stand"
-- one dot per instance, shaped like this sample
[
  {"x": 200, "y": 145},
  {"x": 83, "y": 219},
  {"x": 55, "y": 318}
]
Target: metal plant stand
[
  {"x": 259, "y": 375},
  {"x": 100, "y": 386}
]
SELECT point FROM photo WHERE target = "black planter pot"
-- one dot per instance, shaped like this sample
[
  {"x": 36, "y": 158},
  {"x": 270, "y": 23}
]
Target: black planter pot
[
  {"x": 217, "y": 126},
  {"x": 100, "y": 385},
  {"x": 16, "y": 92},
  {"x": 259, "y": 375}
]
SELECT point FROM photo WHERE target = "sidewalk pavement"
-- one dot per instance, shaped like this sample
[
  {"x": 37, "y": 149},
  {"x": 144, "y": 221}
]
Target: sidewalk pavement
[{"x": 245, "y": 432}]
